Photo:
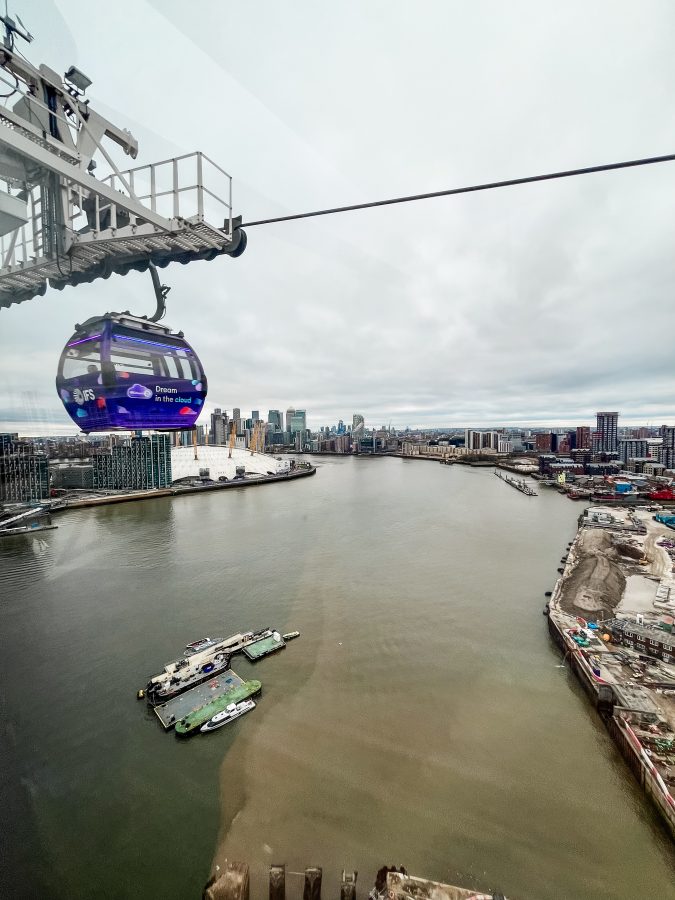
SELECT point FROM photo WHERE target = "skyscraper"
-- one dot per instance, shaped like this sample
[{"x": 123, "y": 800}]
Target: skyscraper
[
  {"x": 218, "y": 426},
  {"x": 236, "y": 418},
  {"x": 298, "y": 421},
  {"x": 358, "y": 426},
  {"x": 289, "y": 415},
  {"x": 275, "y": 419},
  {"x": 608, "y": 431},
  {"x": 255, "y": 415},
  {"x": 668, "y": 446}
]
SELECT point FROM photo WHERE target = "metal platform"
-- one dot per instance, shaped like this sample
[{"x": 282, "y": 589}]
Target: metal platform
[
  {"x": 173, "y": 710},
  {"x": 61, "y": 222},
  {"x": 264, "y": 647}
]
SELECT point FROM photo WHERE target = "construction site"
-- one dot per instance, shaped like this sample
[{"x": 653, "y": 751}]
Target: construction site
[{"x": 612, "y": 613}]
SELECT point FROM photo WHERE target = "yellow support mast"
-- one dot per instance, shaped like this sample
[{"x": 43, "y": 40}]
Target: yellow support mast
[{"x": 254, "y": 438}]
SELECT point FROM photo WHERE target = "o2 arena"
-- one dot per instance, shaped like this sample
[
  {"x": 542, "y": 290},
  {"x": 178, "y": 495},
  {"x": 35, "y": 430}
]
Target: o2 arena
[{"x": 214, "y": 463}]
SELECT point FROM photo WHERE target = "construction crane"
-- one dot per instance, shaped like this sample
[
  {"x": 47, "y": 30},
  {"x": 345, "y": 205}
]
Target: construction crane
[
  {"x": 62, "y": 225},
  {"x": 233, "y": 436}
]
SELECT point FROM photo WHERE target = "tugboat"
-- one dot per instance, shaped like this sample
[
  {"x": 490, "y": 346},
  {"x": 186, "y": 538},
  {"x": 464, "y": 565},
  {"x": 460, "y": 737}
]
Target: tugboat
[{"x": 229, "y": 714}]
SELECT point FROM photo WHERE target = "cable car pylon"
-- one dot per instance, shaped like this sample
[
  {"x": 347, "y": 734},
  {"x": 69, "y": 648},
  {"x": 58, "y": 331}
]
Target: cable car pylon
[{"x": 60, "y": 222}]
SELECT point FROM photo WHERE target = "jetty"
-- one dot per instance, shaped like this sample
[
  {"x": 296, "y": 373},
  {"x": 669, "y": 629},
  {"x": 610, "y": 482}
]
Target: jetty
[
  {"x": 26, "y": 521},
  {"x": 230, "y": 881},
  {"x": 518, "y": 483}
]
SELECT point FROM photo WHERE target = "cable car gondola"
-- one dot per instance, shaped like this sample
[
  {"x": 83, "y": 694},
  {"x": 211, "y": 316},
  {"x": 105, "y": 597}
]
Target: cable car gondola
[{"x": 119, "y": 372}]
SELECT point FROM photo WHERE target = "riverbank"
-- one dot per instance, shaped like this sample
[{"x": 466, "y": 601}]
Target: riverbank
[
  {"x": 180, "y": 490},
  {"x": 611, "y": 615}
]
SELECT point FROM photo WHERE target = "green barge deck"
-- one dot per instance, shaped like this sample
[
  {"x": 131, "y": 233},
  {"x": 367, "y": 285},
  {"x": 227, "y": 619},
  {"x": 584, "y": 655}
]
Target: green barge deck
[
  {"x": 190, "y": 701},
  {"x": 198, "y": 717},
  {"x": 264, "y": 647}
]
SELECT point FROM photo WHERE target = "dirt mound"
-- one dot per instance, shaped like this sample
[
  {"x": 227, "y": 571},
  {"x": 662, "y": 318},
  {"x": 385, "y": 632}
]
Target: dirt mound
[
  {"x": 596, "y": 584},
  {"x": 628, "y": 550}
]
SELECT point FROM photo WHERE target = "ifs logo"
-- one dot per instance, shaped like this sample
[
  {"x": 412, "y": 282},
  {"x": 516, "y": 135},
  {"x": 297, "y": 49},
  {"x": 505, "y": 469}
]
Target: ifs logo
[{"x": 81, "y": 397}]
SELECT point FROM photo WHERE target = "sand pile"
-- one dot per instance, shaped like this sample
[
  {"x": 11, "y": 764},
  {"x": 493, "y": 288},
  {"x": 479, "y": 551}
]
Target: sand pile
[{"x": 595, "y": 586}]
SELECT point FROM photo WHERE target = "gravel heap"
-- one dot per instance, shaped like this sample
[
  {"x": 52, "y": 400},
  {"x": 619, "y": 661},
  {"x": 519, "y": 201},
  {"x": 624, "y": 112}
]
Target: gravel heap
[{"x": 595, "y": 585}]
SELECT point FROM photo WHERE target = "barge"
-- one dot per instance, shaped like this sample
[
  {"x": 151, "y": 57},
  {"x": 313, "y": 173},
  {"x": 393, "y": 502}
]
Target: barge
[
  {"x": 200, "y": 665},
  {"x": 270, "y": 643},
  {"x": 191, "y": 723},
  {"x": 190, "y": 701},
  {"x": 519, "y": 484}
]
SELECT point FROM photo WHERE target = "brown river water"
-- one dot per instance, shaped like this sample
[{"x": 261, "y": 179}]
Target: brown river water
[{"x": 421, "y": 719}]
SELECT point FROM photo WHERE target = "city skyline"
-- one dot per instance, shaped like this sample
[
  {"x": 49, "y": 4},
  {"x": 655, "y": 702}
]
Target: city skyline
[
  {"x": 36, "y": 423},
  {"x": 524, "y": 306}
]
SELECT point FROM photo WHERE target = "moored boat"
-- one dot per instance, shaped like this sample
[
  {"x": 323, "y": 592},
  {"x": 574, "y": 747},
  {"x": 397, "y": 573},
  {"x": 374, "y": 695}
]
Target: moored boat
[
  {"x": 290, "y": 635},
  {"x": 184, "y": 674},
  {"x": 201, "y": 644},
  {"x": 193, "y": 721},
  {"x": 231, "y": 712}
]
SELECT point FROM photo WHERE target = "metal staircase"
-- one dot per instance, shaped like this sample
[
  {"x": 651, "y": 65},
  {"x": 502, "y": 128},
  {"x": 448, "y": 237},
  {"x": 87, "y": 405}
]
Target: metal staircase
[{"x": 59, "y": 224}]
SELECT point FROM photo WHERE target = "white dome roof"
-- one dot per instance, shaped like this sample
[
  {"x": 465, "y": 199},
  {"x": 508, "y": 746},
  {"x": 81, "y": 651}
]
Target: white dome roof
[{"x": 216, "y": 459}]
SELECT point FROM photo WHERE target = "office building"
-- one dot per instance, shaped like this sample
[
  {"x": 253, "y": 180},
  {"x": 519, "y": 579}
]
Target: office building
[
  {"x": 218, "y": 427},
  {"x": 141, "y": 464},
  {"x": 255, "y": 415},
  {"x": 236, "y": 418},
  {"x": 24, "y": 473},
  {"x": 607, "y": 427},
  {"x": 298, "y": 421},
  {"x": 275, "y": 419},
  {"x": 358, "y": 427},
  {"x": 290, "y": 412}
]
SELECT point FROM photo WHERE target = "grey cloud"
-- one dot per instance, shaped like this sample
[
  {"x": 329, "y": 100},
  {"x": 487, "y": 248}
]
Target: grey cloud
[{"x": 530, "y": 305}]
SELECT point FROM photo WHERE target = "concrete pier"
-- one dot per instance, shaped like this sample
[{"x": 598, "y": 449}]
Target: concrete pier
[{"x": 231, "y": 882}]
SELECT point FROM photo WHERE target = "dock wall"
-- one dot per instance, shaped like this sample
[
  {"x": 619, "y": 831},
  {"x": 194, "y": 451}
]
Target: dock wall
[
  {"x": 644, "y": 773},
  {"x": 234, "y": 484}
]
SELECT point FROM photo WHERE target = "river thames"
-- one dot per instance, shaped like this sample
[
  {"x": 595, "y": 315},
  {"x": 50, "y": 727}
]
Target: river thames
[{"x": 422, "y": 718}]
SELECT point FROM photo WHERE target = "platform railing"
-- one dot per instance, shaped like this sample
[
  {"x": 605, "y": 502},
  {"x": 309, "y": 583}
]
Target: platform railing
[{"x": 182, "y": 187}]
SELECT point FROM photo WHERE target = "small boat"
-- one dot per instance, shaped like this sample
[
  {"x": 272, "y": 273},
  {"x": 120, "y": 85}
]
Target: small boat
[
  {"x": 290, "y": 635},
  {"x": 201, "y": 644},
  {"x": 231, "y": 712}
]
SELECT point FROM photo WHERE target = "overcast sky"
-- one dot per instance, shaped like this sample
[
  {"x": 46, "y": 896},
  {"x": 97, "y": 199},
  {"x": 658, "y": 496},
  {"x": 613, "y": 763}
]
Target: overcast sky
[{"x": 532, "y": 305}]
